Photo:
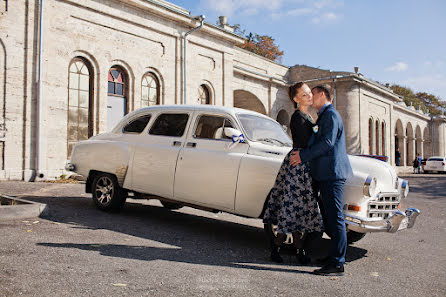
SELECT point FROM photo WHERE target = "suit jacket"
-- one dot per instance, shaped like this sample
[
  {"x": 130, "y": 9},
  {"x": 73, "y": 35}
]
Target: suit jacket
[{"x": 326, "y": 149}]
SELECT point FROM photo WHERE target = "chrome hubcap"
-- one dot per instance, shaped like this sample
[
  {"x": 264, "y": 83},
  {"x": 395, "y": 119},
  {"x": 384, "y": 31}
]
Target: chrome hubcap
[{"x": 104, "y": 190}]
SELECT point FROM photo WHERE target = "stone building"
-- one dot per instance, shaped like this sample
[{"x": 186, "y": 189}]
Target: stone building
[{"x": 69, "y": 69}]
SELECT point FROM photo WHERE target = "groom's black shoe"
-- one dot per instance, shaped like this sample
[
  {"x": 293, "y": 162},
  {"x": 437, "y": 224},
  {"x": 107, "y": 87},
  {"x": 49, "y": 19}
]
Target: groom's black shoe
[{"x": 330, "y": 270}]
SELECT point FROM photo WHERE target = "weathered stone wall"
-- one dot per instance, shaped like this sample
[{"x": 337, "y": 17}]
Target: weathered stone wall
[
  {"x": 18, "y": 33},
  {"x": 141, "y": 36}
]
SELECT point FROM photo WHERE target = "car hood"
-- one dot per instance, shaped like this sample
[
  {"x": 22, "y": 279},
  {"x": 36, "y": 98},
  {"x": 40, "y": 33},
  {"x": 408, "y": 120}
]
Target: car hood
[{"x": 384, "y": 173}]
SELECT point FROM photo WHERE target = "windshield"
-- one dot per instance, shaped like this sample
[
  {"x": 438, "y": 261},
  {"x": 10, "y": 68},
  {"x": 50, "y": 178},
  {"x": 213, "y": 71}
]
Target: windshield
[{"x": 265, "y": 130}]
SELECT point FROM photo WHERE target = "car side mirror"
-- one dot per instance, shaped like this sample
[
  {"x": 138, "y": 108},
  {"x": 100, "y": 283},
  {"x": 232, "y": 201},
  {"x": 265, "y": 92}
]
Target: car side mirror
[{"x": 231, "y": 132}]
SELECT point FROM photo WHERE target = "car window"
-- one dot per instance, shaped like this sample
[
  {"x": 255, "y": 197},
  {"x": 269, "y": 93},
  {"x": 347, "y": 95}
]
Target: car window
[
  {"x": 264, "y": 130},
  {"x": 211, "y": 127},
  {"x": 436, "y": 159},
  {"x": 170, "y": 124},
  {"x": 137, "y": 125}
]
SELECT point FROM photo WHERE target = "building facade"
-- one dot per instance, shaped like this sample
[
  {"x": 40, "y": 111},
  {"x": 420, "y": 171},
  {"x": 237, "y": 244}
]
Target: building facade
[{"x": 70, "y": 69}]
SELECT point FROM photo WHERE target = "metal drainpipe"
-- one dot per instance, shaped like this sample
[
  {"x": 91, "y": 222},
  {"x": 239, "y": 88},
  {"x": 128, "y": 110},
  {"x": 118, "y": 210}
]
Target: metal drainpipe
[
  {"x": 37, "y": 172},
  {"x": 201, "y": 18}
]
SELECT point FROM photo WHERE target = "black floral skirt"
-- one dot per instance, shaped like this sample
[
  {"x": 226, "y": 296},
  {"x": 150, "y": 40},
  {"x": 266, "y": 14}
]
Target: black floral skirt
[{"x": 292, "y": 205}]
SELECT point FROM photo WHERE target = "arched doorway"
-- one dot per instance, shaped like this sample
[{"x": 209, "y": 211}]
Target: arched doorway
[
  {"x": 399, "y": 144},
  {"x": 284, "y": 119},
  {"x": 371, "y": 136},
  {"x": 117, "y": 105},
  {"x": 383, "y": 139},
  {"x": 427, "y": 144},
  {"x": 377, "y": 138},
  {"x": 247, "y": 100},
  {"x": 418, "y": 141},
  {"x": 80, "y": 102},
  {"x": 409, "y": 144}
]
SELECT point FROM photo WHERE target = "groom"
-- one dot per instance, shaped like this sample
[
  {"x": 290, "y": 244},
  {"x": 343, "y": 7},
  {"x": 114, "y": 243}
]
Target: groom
[{"x": 330, "y": 167}]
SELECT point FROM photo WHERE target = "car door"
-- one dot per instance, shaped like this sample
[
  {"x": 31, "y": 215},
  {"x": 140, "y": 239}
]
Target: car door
[
  {"x": 156, "y": 153},
  {"x": 208, "y": 165}
]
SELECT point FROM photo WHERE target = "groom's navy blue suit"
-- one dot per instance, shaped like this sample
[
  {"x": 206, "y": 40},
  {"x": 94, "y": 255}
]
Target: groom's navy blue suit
[{"x": 330, "y": 166}]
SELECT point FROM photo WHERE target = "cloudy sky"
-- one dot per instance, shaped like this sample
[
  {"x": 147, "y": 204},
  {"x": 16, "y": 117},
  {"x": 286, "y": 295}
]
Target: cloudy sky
[{"x": 391, "y": 41}]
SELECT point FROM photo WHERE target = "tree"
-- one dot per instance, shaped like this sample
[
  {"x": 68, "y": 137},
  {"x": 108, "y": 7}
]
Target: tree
[
  {"x": 433, "y": 103},
  {"x": 262, "y": 45},
  {"x": 408, "y": 95},
  {"x": 423, "y": 100}
]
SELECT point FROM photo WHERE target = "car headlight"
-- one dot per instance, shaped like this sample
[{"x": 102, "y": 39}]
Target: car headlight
[{"x": 369, "y": 186}]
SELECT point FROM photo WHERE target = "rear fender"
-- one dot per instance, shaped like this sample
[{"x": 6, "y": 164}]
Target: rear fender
[{"x": 101, "y": 156}]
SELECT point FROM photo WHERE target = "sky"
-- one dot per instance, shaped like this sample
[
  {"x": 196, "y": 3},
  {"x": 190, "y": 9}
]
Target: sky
[{"x": 391, "y": 41}]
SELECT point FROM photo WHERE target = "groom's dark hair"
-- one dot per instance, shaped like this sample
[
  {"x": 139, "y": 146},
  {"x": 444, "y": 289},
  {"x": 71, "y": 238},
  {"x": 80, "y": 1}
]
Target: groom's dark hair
[{"x": 324, "y": 88}]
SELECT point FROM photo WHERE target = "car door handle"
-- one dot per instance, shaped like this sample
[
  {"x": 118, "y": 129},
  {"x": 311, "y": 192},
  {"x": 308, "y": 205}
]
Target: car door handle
[
  {"x": 176, "y": 143},
  {"x": 191, "y": 144}
]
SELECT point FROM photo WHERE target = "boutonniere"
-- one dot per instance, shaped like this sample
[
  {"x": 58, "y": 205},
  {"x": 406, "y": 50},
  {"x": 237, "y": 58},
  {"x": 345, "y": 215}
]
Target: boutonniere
[{"x": 315, "y": 128}]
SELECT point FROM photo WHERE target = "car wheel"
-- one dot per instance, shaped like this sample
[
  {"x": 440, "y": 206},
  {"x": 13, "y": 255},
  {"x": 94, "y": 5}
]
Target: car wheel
[
  {"x": 171, "y": 205},
  {"x": 106, "y": 192},
  {"x": 353, "y": 236}
]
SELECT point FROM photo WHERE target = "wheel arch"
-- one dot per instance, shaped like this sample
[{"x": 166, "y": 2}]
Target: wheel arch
[{"x": 92, "y": 174}]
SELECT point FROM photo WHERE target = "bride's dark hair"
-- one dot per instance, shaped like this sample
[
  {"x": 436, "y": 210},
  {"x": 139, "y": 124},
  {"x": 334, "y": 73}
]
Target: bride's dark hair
[{"x": 292, "y": 91}]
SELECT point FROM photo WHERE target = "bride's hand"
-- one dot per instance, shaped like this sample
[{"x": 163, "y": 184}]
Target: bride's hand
[{"x": 295, "y": 158}]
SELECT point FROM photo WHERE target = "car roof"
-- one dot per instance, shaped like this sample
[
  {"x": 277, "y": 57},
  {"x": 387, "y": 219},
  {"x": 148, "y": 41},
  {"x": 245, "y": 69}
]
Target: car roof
[{"x": 210, "y": 108}]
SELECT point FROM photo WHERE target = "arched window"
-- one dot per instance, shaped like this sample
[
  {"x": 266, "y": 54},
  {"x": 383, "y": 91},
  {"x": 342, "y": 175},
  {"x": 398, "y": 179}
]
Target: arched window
[
  {"x": 383, "y": 138},
  {"x": 150, "y": 90},
  {"x": 116, "y": 82},
  {"x": 79, "y": 103},
  {"x": 371, "y": 136},
  {"x": 377, "y": 138},
  {"x": 204, "y": 96}
]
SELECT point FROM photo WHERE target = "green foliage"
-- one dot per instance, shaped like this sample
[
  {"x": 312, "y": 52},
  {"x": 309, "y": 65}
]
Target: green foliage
[{"x": 427, "y": 102}]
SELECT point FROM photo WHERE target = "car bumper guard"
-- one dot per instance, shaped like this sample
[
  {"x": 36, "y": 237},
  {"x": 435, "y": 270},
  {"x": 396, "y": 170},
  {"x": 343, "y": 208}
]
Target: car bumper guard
[{"x": 396, "y": 221}]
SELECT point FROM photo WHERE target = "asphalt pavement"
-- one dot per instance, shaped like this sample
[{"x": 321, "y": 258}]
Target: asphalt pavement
[{"x": 147, "y": 250}]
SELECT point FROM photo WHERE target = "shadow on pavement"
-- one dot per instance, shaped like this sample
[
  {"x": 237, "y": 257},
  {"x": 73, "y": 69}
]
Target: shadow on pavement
[
  {"x": 192, "y": 238},
  {"x": 436, "y": 185}
]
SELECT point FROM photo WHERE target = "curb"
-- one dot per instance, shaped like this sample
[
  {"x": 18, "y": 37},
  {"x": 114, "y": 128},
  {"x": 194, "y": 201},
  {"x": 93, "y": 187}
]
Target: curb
[{"x": 15, "y": 208}]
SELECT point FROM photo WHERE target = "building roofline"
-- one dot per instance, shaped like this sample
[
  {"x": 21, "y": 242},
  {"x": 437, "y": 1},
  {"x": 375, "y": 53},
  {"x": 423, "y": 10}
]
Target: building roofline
[{"x": 182, "y": 15}]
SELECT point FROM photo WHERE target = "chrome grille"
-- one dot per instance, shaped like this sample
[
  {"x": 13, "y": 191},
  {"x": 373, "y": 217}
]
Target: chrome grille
[{"x": 384, "y": 205}]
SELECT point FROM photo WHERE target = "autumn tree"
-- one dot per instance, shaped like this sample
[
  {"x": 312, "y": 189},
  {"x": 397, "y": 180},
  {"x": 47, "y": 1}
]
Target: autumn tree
[{"x": 262, "y": 45}]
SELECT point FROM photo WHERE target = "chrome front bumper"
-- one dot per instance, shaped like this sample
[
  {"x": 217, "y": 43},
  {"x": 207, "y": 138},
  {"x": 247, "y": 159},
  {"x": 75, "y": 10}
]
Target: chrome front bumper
[{"x": 396, "y": 221}]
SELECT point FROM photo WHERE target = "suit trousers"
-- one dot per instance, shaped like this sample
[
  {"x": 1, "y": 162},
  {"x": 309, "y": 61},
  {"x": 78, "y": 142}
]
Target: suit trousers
[{"x": 331, "y": 197}]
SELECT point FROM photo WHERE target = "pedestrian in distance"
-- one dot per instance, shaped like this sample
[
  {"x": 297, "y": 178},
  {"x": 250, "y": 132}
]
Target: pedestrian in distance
[
  {"x": 330, "y": 167},
  {"x": 397, "y": 157},
  {"x": 417, "y": 164}
]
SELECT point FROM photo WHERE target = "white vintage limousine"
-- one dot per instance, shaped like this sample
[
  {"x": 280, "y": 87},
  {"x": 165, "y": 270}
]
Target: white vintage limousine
[{"x": 221, "y": 159}]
